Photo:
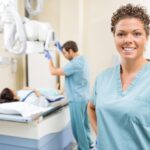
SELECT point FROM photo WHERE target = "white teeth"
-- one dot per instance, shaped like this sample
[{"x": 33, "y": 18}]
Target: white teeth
[{"x": 128, "y": 49}]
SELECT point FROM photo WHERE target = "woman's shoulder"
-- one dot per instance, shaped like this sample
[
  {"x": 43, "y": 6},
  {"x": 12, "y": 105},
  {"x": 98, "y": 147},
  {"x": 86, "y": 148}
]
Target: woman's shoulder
[{"x": 108, "y": 72}]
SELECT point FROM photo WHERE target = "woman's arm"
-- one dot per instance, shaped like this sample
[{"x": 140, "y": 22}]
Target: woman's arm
[
  {"x": 92, "y": 116},
  {"x": 38, "y": 94}
]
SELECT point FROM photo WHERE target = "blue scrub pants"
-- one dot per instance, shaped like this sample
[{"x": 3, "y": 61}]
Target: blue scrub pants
[{"x": 80, "y": 124}]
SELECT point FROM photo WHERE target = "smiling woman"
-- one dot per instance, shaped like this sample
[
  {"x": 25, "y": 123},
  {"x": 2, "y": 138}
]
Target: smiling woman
[{"x": 119, "y": 108}]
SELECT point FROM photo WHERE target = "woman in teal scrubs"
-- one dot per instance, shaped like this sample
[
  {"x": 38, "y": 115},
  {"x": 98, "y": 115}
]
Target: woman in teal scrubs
[{"x": 120, "y": 107}]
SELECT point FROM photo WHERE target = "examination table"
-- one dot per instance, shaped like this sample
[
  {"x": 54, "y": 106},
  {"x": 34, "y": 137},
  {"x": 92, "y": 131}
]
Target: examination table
[{"x": 49, "y": 131}]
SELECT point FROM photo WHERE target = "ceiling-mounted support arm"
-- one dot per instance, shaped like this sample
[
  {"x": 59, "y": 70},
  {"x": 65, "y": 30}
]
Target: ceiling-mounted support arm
[
  {"x": 14, "y": 34},
  {"x": 33, "y": 12}
]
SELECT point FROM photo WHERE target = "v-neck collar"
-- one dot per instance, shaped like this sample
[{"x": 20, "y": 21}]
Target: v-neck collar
[{"x": 132, "y": 84}]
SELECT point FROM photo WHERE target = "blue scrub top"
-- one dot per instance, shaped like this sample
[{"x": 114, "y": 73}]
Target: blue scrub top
[
  {"x": 123, "y": 117},
  {"x": 77, "y": 79}
]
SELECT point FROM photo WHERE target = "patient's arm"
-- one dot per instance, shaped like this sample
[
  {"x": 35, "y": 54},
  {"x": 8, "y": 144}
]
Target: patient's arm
[{"x": 30, "y": 88}]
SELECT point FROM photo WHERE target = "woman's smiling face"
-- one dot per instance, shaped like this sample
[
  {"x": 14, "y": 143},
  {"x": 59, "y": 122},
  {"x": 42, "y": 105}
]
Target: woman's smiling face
[{"x": 130, "y": 38}]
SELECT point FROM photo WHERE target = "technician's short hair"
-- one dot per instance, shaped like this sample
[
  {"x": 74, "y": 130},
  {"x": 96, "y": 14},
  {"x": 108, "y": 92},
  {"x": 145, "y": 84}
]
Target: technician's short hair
[{"x": 70, "y": 45}]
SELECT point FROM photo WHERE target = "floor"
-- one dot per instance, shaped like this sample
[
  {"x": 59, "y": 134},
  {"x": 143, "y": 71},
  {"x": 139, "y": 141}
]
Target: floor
[{"x": 73, "y": 146}]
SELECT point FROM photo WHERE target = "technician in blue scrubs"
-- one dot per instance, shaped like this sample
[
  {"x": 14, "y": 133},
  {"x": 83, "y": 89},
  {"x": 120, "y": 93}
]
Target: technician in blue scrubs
[
  {"x": 77, "y": 89},
  {"x": 120, "y": 107}
]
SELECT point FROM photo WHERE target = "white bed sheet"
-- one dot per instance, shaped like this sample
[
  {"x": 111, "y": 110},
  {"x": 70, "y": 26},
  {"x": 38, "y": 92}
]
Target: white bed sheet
[{"x": 25, "y": 112}]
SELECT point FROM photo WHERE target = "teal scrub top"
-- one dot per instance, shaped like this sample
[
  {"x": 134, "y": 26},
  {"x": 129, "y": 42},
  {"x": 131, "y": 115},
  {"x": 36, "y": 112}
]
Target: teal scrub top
[
  {"x": 123, "y": 117},
  {"x": 77, "y": 79}
]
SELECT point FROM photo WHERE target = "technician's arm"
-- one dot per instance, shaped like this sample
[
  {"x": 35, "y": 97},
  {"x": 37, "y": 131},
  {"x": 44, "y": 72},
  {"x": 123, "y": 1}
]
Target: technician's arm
[
  {"x": 92, "y": 116},
  {"x": 54, "y": 70}
]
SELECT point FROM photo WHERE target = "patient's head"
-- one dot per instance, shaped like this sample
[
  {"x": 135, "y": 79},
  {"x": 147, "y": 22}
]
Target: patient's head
[{"x": 8, "y": 95}]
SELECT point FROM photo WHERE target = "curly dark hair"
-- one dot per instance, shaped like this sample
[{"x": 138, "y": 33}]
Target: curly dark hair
[
  {"x": 7, "y": 96},
  {"x": 70, "y": 45},
  {"x": 131, "y": 11}
]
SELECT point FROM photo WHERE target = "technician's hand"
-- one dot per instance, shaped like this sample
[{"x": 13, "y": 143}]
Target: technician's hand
[
  {"x": 47, "y": 54},
  {"x": 58, "y": 45}
]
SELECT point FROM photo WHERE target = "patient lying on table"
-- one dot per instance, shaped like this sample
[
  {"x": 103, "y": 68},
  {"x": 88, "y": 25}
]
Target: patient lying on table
[{"x": 30, "y": 95}]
